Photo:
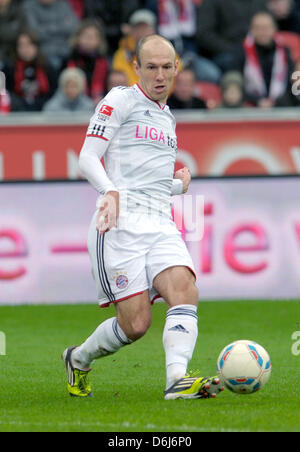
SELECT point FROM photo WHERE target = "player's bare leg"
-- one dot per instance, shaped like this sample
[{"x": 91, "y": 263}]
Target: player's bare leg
[
  {"x": 177, "y": 286},
  {"x": 134, "y": 315}
]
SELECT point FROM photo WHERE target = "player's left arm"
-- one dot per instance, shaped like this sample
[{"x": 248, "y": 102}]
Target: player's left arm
[{"x": 181, "y": 181}]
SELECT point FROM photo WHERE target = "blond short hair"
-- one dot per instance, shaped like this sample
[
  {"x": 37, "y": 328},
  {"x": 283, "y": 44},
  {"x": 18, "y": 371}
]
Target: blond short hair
[{"x": 75, "y": 74}]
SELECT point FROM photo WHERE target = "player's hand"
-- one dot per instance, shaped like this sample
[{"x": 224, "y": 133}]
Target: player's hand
[
  {"x": 108, "y": 212},
  {"x": 185, "y": 176}
]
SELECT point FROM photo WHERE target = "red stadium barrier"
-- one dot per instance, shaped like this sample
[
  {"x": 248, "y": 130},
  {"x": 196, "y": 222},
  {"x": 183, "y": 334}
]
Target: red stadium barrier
[{"x": 208, "y": 144}]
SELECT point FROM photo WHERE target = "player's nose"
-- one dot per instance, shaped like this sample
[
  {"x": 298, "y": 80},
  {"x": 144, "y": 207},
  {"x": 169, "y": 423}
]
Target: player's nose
[{"x": 159, "y": 74}]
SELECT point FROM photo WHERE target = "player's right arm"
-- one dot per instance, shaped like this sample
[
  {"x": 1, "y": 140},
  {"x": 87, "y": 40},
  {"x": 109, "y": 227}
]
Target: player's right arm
[
  {"x": 92, "y": 169},
  {"x": 104, "y": 124}
]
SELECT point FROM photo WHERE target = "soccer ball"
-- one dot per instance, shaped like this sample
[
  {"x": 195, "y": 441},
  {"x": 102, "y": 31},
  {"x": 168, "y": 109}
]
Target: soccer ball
[{"x": 244, "y": 366}]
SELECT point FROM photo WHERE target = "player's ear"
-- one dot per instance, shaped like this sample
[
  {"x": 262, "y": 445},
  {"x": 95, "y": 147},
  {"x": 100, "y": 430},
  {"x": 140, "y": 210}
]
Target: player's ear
[
  {"x": 176, "y": 66},
  {"x": 136, "y": 67}
]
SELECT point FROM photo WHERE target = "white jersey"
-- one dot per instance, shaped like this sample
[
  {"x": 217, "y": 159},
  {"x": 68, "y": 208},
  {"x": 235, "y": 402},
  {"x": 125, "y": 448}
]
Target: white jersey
[
  {"x": 136, "y": 136},
  {"x": 139, "y": 142}
]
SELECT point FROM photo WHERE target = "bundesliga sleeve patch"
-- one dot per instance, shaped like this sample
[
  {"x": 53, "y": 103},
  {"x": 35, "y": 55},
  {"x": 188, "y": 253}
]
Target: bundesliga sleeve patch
[{"x": 105, "y": 112}]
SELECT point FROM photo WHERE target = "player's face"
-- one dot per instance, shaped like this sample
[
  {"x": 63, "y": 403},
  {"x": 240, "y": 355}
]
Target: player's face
[{"x": 157, "y": 70}]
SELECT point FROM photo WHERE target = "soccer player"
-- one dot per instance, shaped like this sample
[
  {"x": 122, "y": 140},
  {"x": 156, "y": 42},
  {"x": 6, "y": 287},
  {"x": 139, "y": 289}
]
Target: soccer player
[{"x": 136, "y": 251}]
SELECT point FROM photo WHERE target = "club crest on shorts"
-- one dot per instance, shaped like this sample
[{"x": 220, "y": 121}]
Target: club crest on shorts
[{"x": 122, "y": 281}]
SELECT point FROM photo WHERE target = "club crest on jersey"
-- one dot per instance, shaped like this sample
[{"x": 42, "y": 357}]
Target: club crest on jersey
[{"x": 105, "y": 112}]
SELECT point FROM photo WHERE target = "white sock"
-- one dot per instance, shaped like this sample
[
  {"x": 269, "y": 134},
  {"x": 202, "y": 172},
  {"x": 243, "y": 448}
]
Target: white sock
[
  {"x": 179, "y": 339},
  {"x": 108, "y": 338}
]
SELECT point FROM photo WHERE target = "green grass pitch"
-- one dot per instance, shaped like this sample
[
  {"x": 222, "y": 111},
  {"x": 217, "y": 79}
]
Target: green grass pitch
[{"x": 128, "y": 386}]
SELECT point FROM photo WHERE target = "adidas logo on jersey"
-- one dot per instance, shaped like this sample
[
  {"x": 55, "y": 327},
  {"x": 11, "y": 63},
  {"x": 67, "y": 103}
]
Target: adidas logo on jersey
[
  {"x": 178, "y": 328},
  {"x": 148, "y": 114}
]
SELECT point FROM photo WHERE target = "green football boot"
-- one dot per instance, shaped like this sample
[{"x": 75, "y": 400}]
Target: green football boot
[
  {"x": 78, "y": 380},
  {"x": 194, "y": 388}
]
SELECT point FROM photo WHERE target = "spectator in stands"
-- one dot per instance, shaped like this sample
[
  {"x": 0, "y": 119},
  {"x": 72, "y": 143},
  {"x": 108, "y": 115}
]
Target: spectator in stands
[
  {"x": 183, "y": 96},
  {"x": 70, "y": 96},
  {"x": 292, "y": 97},
  {"x": 296, "y": 86},
  {"x": 53, "y": 21},
  {"x": 177, "y": 21},
  {"x": 12, "y": 19},
  {"x": 222, "y": 25},
  {"x": 4, "y": 103},
  {"x": 89, "y": 54},
  {"x": 265, "y": 64},
  {"x": 78, "y": 7},
  {"x": 232, "y": 90},
  {"x": 113, "y": 13},
  {"x": 286, "y": 15},
  {"x": 141, "y": 23},
  {"x": 116, "y": 78},
  {"x": 30, "y": 80}
]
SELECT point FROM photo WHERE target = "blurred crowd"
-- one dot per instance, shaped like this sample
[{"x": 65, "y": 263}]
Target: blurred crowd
[{"x": 65, "y": 55}]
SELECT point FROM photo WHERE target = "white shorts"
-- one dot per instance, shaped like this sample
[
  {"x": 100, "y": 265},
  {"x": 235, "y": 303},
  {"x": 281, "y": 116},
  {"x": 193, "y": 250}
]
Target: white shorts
[{"x": 125, "y": 260}]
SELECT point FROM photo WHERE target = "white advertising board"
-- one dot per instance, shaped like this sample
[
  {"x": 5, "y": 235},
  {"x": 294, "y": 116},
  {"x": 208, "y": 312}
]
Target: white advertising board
[{"x": 245, "y": 244}]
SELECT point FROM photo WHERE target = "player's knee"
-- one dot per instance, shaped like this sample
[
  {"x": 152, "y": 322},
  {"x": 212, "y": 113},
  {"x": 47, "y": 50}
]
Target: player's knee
[
  {"x": 187, "y": 293},
  {"x": 137, "y": 328}
]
